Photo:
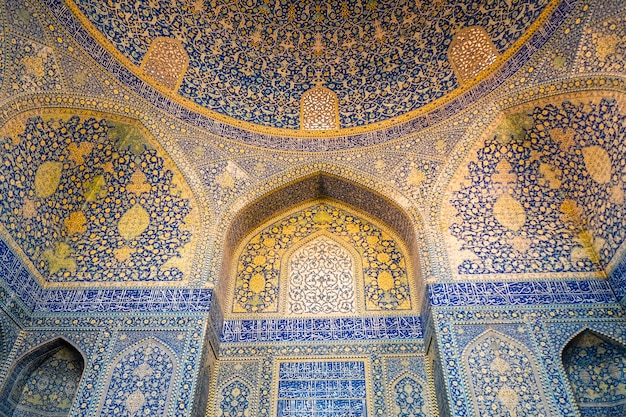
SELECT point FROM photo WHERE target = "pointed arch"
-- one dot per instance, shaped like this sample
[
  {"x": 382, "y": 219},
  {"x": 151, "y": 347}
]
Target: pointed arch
[
  {"x": 262, "y": 271},
  {"x": 138, "y": 377},
  {"x": 409, "y": 395},
  {"x": 595, "y": 365},
  {"x": 44, "y": 380},
  {"x": 234, "y": 398},
  {"x": 309, "y": 186},
  {"x": 504, "y": 378}
]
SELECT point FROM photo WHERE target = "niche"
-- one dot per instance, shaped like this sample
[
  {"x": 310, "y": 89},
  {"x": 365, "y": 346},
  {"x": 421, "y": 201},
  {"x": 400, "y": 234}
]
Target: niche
[
  {"x": 43, "y": 382},
  {"x": 596, "y": 368}
]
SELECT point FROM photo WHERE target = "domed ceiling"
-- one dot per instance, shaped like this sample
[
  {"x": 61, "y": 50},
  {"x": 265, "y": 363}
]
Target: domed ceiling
[{"x": 252, "y": 60}]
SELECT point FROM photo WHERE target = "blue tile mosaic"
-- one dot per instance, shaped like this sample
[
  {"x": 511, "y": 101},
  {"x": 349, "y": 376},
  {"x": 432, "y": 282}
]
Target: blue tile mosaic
[{"x": 41, "y": 301}]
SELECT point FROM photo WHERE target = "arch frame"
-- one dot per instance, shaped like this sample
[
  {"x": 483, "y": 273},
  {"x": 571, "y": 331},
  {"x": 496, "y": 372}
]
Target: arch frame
[
  {"x": 533, "y": 361},
  {"x": 412, "y": 271},
  {"x": 303, "y": 108},
  {"x": 304, "y": 184},
  {"x": 105, "y": 383},
  {"x": 564, "y": 344},
  {"x": 219, "y": 393},
  {"x": 391, "y": 394}
]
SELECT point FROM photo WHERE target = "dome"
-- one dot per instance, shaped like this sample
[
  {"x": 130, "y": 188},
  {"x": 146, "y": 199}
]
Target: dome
[{"x": 250, "y": 62}]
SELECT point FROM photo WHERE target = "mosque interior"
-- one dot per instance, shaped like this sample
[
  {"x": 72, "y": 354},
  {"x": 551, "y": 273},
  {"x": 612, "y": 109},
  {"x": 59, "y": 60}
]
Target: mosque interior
[{"x": 312, "y": 208}]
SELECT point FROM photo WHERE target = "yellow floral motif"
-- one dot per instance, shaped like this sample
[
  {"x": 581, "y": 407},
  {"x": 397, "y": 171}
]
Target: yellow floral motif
[
  {"x": 550, "y": 175},
  {"x": 78, "y": 152},
  {"x": 598, "y": 163},
  {"x": 385, "y": 281},
  {"x": 138, "y": 183},
  {"x": 504, "y": 175},
  {"x": 47, "y": 178},
  {"x": 123, "y": 254},
  {"x": 564, "y": 137},
  {"x": 34, "y": 66},
  {"x": 75, "y": 224},
  {"x": 59, "y": 258},
  {"x": 29, "y": 211},
  {"x": 606, "y": 45},
  {"x": 257, "y": 283},
  {"x": 134, "y": 222},
  {"x": 416, "y": 177}
]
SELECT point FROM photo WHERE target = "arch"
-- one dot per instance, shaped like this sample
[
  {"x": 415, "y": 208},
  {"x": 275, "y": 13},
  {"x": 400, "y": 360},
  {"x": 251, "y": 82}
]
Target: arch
[
  {"x": 166, "y": 62},
  {"x": 595, "y": 366},
  {"x": 54, "y": 367},
  {"x": 405, "y": 401},
  {"x": 319, "y": 109},
  {"x": 470, "y": 52},
  {"x": 310, "y": 187},
  {"x": 504, "y": 379},
  {"x": 234, "y": 398},
  {"x": 138, "y": 378},
  {"x": 260, "y": 275}
]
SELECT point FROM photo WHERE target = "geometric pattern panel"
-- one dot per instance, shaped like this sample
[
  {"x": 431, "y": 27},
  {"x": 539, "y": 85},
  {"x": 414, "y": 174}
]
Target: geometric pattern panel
[
  {"x": 409, "y": 398},
  {"x": 544, "y": 193},
  {"x": 596, "y": 368},
  {"x": 319, "y": 109},
  {"x": 470, "y": 52},
  {"x": 234, "y": 401},
  {"x": 51, "y": 387},
  {"x": 165, "y": 62},
  {"x": 266, "y": 265},
  {"x": 90, "y": 199},
  {"x": 140, "y": 380},
  {"x": 256, "y": 59},
  {"x": 503, "y": 378},
  {"x": 405, "y": 385},
  {"x": 321, "y": 389}
]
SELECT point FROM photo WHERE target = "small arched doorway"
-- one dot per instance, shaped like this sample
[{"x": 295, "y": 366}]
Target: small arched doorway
[
  {"x": 43, "y": 382},
  {"x": 596, "y": 368}
]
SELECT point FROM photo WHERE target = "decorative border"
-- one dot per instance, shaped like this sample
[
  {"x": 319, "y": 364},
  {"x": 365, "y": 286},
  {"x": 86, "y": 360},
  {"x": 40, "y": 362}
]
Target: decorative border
[
  {"x": 520, "y": 293},
  {"x": 322, "y": 330}
]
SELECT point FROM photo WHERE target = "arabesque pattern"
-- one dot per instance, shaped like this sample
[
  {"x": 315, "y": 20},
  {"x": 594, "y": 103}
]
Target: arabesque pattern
[
  {"x": 90, "y": 199},
  {"x": 545, "y": 192}
]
